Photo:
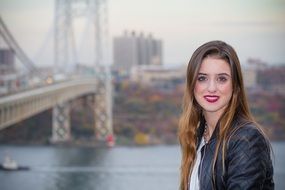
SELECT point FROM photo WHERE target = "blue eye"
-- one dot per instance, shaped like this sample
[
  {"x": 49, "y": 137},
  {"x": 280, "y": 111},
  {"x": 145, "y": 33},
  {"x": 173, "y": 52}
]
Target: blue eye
[
  {"x": 222, "y": 79},
  {"x": 201, "y": 78}
]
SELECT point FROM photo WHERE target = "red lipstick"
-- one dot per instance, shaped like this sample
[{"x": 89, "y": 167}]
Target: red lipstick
[{"x": 211, "y": 98}]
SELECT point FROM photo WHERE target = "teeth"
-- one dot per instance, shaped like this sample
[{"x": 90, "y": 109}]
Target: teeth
[{"x": 211, "y": 98}]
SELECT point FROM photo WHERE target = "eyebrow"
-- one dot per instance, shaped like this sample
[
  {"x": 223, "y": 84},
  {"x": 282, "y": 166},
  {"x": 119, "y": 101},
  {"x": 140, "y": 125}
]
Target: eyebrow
[{"x": 220, "y": 74}]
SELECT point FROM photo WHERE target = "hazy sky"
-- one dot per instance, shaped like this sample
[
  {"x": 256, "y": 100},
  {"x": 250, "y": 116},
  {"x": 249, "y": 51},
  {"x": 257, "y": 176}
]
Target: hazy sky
[{"x": 255, "y": 28}]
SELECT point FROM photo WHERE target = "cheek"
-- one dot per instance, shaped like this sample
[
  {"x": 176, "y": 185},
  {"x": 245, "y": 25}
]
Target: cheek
[
  {"x": 198, "y": 92},
  {"x": 227, "y": 90},
  {"x": 198, "y": 88}
]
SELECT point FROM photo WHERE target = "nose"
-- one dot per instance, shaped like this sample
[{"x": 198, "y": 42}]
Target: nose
[{"x": 212, "y": 86}]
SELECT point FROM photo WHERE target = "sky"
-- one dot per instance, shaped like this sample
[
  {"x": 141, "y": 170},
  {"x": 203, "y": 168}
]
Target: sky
[{"x": 255, "y": 28}]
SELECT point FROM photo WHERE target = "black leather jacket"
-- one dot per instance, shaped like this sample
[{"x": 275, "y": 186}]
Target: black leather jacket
[{"x": 248, "y": 164}]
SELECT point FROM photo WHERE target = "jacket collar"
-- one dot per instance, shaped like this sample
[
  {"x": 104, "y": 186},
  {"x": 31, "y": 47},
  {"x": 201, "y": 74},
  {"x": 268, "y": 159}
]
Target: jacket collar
[{"x": 201, "y": 128}]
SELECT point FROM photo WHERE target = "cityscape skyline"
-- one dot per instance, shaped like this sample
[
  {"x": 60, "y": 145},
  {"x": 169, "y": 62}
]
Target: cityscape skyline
[
  {"x": 256, "y": 29},
  {"x": 133, "y": 49}
]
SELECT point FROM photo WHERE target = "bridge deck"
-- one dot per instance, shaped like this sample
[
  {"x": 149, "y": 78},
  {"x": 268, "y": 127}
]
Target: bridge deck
[{"x": 17, "y": 107}]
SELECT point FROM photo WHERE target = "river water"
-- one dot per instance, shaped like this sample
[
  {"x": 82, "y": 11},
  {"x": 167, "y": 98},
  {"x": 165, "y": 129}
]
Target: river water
[{"x": 119, "y": 168}]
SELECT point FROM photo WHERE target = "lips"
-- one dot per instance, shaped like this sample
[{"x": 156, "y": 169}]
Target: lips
[{"x": 211, "y": 98}]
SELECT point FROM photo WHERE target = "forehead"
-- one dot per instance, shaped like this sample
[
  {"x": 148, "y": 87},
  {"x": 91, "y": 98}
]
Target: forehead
[{"x": 211, "y": 65}]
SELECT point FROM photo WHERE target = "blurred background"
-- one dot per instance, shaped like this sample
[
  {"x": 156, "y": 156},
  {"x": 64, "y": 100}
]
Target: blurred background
[{"x": 91, "y": 90}]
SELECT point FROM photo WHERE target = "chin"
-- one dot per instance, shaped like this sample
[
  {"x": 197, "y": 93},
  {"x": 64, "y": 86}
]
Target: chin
[{"x": 212, "y": 108}]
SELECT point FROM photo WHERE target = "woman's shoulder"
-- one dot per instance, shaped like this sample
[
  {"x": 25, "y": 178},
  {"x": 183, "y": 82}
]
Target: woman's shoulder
[
  {"x": 244, "y": 127},
  {"x": 248, "y": 133},
  {"x": 248, "y": 141}
]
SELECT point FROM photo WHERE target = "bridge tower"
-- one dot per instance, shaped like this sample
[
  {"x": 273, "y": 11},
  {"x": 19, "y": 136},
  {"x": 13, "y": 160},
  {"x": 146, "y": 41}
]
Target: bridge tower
[{"x": 66, "y": 12}]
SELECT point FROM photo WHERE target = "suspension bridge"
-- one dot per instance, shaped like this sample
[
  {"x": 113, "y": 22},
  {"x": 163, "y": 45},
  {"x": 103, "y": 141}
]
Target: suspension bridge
[{"x": 23, "y": 103}]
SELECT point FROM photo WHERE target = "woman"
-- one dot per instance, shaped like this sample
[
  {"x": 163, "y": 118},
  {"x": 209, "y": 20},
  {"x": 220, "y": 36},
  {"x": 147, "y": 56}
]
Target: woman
[{"x": 222, "y": 146}]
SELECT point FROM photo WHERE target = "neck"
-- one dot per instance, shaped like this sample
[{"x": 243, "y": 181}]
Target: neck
[{"x": 212, "y": 120}]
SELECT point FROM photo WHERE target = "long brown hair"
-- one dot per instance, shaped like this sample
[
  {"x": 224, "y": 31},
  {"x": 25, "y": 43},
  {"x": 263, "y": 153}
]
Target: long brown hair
[{"x": 192, "y": 112}]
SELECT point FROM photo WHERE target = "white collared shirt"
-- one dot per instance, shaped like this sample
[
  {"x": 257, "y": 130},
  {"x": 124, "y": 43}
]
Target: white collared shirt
[{"x": 194, "y": 179}]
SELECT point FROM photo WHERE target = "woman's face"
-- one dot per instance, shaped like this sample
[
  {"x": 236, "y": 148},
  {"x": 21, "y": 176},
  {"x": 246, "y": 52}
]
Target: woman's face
[{"x": 213, "y": 88}]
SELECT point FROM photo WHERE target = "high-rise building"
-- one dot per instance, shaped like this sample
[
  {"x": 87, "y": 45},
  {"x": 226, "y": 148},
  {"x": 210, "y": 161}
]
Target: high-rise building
[{"x": 131, "y": 50}]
